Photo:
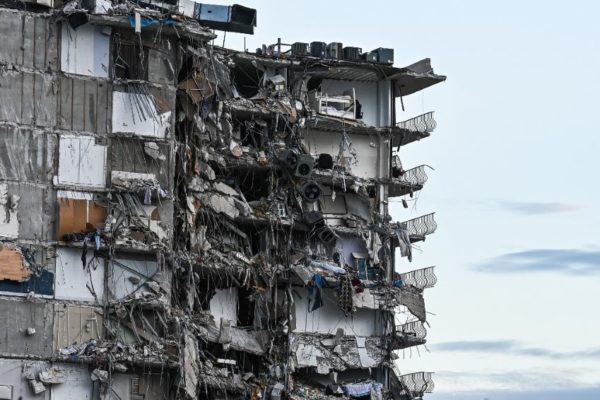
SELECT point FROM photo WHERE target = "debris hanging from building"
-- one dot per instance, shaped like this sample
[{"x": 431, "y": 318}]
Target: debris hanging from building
[{"x": 185, "y": 221}]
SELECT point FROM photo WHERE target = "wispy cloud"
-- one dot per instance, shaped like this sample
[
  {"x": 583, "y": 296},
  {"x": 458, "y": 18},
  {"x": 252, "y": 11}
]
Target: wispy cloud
[
  {"x": 536, "y": 208},
  {"x": 591, "y": 393},
  {"x": 568, "y": 261},
  {"x": 511, "y": 347}
]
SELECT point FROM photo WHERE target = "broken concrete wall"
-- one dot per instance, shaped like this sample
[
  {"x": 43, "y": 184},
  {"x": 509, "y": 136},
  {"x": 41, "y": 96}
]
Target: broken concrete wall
[
  {"x": 133, "y": 155},
  {"x": 40, "y": 147},
  {"x": 77, "y": 383},
  {"x": 37, "y": 48},
  {"x": 30, "y": 211},
  {"x": 13, "y": 379},
  {"x": 224, "y": 304},
  {"x": 365, "y": 166},
  {"x": 329, "y": 318},
  {"x": 76, "y": 325},
  {"x": 146, "y": 386},
  {"x": 33, "y": 98},
  {"x": 20, "y": 315},
  {"x": 84, "y": 105}
]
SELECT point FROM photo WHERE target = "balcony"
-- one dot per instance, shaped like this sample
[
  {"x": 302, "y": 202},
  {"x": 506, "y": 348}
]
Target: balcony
[
  {"x": 421, "y": 278},
  {"x": 408, "y": 182},
  {"x": 412, "y": 386},
  {"x": 414, "y": 129},
  {"x": 418, "y": 228},
  {"x": 410, "y": 334}
]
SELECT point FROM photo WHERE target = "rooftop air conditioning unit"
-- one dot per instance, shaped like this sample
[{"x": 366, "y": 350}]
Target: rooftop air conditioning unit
[
  {"x": 318, "y": 49},
  {"x": 335, "y": 50},
  {"x": 352, "y": 53},
  {"x": 300, "y": 49}
]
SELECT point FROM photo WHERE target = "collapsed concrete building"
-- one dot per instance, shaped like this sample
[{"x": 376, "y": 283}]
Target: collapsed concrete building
[{"x": 185, "y": 221}]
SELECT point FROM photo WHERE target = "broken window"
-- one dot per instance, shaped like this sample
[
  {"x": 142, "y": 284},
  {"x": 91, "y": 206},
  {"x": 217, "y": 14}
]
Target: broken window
[{"x": 130, "y": 56}]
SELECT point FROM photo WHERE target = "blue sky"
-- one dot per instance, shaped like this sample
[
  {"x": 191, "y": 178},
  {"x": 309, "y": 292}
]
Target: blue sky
[{"x": 515, "y": 154}]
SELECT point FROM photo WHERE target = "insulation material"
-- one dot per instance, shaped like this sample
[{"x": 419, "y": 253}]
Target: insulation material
[
  {"x": 128, "y": 277},
  {"x": 138, "y": 114},
  {"x": 85, "y": 50},
  {"x": 78, "y": 213},
  {"x": 76, "y": 282},
  {"x": 81, "y": 162},
  {"x": 76, "y": 325},
  {"x": 35, "y": 276},
  {"x": 224, "y": 304},
  {"x": 12, "y": 265}
]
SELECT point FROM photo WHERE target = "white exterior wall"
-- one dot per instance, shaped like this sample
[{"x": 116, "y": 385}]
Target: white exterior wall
[
  {"x": 85, "y": 50},
  {"x": 11, "y": 375},
  {"x": 81, "y": 162},
  {"x": 375, "y": 98},
  {"x": 329, "y": 318},
  {"x": 72, "y": 281},
  {"x": 78, "y": 384},
  {"x": 224, "y": 304}
]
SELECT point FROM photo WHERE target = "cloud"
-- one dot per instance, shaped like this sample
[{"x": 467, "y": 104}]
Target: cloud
[
  {"x": 536, "y": 208},
  {"x": 568, "y": 261},
  {"x": 591, "y": 393},
  {"x": 511, "y": 347}
]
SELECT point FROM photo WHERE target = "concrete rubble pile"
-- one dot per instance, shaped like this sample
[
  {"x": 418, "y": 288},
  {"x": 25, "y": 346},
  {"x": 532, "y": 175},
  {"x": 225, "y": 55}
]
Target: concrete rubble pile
[{"x": 186, "y": 221}]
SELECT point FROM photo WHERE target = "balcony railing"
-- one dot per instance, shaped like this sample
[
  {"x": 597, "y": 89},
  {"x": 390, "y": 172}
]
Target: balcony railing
[
  {"x": 412, "y": 330},
  {"x": 420, "y": 226},
  {"x": 421, "y": 278},
  {"x": 424, "y": 123},
  {"x": 414, "y": 176},
  {"x": 415, "y": 385}
]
